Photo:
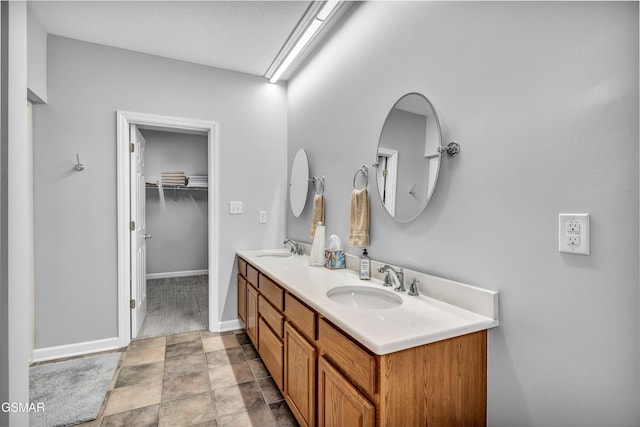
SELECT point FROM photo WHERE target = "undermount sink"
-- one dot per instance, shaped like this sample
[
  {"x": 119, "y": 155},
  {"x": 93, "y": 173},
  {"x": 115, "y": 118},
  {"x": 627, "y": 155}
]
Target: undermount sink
[
  {"x": 275, "y": 253},
  {"x": 364, "y": 297}
]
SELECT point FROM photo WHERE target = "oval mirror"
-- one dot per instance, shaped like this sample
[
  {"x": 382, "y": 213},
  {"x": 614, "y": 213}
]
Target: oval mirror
[
  {"x": 299, "y": 182},
  {"x": 408, "y": 157}
]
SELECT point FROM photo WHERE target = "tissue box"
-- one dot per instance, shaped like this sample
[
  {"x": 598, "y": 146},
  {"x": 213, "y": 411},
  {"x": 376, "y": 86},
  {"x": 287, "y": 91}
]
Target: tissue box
[{"x": 334, "y": 259}]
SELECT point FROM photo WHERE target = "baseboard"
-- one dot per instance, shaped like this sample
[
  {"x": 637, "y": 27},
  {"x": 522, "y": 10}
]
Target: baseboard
[
  {"x": 169, "y": 274},
  {"x": 229, "y": 325},
  {"x": 61, "y": 351}
]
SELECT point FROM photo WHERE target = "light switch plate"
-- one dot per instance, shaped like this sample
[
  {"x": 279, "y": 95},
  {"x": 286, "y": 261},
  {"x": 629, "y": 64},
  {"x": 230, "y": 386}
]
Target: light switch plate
[
  {"x": 235, "y": 208},
  {"x": 573, "y": 233},
  {"x": 262, "y": 217}
]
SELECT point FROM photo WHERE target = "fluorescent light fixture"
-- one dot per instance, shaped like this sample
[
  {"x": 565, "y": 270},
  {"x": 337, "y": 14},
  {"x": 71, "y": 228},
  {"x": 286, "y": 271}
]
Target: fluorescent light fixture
[{"x": 304, "y": 40}]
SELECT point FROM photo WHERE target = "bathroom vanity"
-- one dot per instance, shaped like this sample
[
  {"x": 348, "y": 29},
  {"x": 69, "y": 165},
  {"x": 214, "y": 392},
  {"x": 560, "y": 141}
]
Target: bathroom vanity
[{"x": 417, "y": 361}]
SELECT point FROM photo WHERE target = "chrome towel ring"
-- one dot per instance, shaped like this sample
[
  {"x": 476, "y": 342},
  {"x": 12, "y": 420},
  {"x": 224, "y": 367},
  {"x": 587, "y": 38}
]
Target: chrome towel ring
[{"x": 365, "y": 173}]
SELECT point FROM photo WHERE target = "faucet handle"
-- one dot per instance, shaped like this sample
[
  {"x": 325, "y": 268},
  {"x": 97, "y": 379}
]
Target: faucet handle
[
  {"x": 413, "y": 287},
  {"x": 387, "y": 279}
]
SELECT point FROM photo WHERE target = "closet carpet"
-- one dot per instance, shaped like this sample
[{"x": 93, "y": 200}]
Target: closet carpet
[{"x": 176, "y": 305}]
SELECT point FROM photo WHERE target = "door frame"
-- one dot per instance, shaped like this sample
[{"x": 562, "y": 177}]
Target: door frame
[{"x": 124, "y": 120}]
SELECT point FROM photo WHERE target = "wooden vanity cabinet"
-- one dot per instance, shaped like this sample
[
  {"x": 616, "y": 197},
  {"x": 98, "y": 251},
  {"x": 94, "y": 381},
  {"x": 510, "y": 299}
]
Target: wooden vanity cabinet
[
  {"x": 300, "y": 376},
  {"x": 252, "y": 315},
  {"x": 328, "y": 379},
  {"x": 242, "y": 299},
  {"x": 339, "y": 402}
]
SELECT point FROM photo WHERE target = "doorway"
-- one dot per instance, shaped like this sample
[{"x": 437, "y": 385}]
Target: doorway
[
  {"x": 176, "y": 220},
  {"x": 130, "y": 298}
]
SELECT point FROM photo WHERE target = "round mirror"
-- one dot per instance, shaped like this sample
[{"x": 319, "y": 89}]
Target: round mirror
[
  {"x": 408, "y": 157},
  {"x": 299, "y": 182}
]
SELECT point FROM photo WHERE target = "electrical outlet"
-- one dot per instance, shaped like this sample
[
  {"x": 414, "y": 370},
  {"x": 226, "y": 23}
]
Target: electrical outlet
[
  {"x": 235, "y": 208},
  {"x": 262, "y": 217},
  {"x": 573, "y": 233}
]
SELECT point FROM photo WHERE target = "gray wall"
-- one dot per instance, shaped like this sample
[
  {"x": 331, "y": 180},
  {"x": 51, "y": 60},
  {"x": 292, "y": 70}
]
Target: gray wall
[
  {"x": 37, "y": 58},
  {"x": 543, "y": 98},
  {"x": 75, "y": 212},
  {"x": 178, "y": 223}
]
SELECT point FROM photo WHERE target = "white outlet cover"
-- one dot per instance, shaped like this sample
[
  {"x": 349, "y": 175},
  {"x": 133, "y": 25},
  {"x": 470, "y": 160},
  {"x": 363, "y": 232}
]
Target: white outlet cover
[
  {"x": 235, "y": 208},
  {"x": 262, "y": 217},
  {"x": 564, "y": 232}
]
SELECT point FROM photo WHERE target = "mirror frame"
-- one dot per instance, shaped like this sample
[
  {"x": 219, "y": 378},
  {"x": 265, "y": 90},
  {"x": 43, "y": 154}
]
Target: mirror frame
[
  {"x": 437, "y": 155},
  {"x": 298, "y": 189}
]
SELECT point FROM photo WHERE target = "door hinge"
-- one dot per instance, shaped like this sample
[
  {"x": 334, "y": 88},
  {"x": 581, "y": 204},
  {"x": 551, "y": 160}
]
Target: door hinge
[
  {"x": 132, "y": 225},
  {"x": 132, "y": 147},
  {"x": 132, "y": 304},
  {"x": 385, "y": 173}
]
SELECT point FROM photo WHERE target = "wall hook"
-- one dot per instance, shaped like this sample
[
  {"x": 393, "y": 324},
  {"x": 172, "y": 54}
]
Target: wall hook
[{"x": 79, "y": 166}]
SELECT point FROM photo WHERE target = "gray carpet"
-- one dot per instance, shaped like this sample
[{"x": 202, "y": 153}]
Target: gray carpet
[
  {"x": 176, "y": 305},
  {"x": 72, "y": 391}
]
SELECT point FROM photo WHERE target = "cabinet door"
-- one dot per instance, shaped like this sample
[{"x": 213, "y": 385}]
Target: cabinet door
[
  {"x": 242, "y": 300},
  {"x": 339, "y": 403},
  {"x": 252, "y": 314},
  {"x": 271, "y": 352},
  {"x": 299, "y": 376}
]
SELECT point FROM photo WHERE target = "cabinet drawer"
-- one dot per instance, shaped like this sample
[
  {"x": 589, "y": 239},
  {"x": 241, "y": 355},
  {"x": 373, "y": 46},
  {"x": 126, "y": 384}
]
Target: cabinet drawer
[
  {"x": 271, "y": 316},
  {"x": 271, "y": 350},
  {"x": 252, "y": 275},
  {"x": 242, "y": 267},
  {"x": 301, "y": 316},
  {"x": 271, "y": 292},
  {"x": 354, "y": 362}
]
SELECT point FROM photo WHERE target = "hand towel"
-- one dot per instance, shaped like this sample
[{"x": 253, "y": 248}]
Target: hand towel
[
  {"x": 318, "y": 213},
  {"x": 359, "y": 218}
]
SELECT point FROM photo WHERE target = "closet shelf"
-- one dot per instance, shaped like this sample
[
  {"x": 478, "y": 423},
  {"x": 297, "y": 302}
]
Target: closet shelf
[{"x": 177, "y": 187}]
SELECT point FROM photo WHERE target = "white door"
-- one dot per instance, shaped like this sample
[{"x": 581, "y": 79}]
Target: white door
[{"x": 139, "y": 234}]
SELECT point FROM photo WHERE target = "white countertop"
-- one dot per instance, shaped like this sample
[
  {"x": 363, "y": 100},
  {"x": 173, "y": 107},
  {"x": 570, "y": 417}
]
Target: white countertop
[{"x": 418, "y": 320}]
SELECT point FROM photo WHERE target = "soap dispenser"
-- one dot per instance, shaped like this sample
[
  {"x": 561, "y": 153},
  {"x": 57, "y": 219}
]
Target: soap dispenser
[
  {"x": 365, "y": 270},
  {"x": 316, "y": 257}
]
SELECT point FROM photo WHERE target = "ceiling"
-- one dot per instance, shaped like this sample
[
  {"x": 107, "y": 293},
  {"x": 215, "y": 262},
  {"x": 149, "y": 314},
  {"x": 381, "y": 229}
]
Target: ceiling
[{"x": 242, "y": 36}]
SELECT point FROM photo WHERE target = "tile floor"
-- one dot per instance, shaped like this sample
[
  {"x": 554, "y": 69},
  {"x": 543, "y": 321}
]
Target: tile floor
[{"x": 193, "y": 379}]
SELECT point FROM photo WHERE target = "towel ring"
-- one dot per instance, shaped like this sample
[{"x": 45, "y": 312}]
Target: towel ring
[
  {"x": 315, "y": 184},
  {"x": 365, "y": 173}
]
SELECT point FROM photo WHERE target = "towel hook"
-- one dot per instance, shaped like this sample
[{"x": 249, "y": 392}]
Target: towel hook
[
  {"x": 79, "y": 166},
  {"x": 365, "y": 173},
  {"x": 315, "y": 181}
]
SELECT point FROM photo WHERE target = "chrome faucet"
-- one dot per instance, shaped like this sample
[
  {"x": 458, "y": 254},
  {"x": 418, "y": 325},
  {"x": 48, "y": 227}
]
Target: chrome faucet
[
  {"x": 296, "y": 247},
  {"x": 398, "y": 276}
]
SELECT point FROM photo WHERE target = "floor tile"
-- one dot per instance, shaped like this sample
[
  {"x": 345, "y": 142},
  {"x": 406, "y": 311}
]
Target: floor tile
[
  {"x": 250, "y": 351},
  {"x": 140, "y": 374},
  {"x": 142, "y": 417},
  {"x": 229, "y": 400},
  {"x": 283, "y": 415},
  {"x": 258, "y": 368},
  {"x": 185, "y": 365},
  {"x": 270, "y": 390},
  {"x": 189, "y": 411},
  {"x": 255, "y": 417},
  {"x": 151, "y": 342},
  {"x": 184, "y": 348},
  {"x": 228, "y": 375},
  {"x": 143, "y": 355},
  {"x": 185, "y": 385},
  {"x": 188, "y": 336},
  {"x": 127, "y": 398},
  {"x": 243, "y": 338},
  {"x": 230, "y": 356},
  {"x": 220, "y": 342}
]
